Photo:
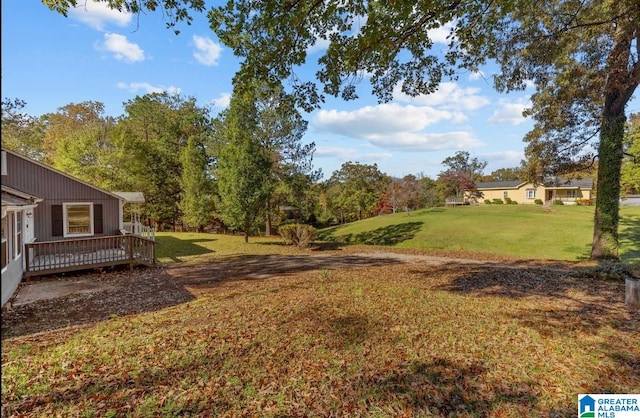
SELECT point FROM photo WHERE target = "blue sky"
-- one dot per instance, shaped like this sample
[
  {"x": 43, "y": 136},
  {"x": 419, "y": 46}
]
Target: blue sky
[{"x": 101, "y": 55}]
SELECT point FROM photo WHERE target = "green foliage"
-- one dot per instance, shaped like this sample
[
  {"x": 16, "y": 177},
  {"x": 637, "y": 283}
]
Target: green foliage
[
  {"x": 243, "y": 169},
  {"x": 538, "y": 202},
  {"x": 630, "y": 174},
  {"x": 299, "y": 235},
  {"x": 558, "y": 202},
  {"x": 497, "y": 201},
  {"x": 487, "y": 201},
  {"x": 197, "y": 196},
  {"x": 507, "y": 201},
  {"x": 22, "y": 133}
]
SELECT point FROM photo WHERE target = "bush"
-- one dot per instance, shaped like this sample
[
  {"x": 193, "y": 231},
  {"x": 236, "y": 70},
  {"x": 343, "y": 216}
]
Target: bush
[
  {"x": 487, "y": 202},
  {"x": 513, "y": 202},
  {"x": 300, "y": 235},
  {"x": 538, "y": 201},
  {"x": 507, "y": 200},
  {"x": 497, "y": 201},
  {"x": 558, "y": 202}
]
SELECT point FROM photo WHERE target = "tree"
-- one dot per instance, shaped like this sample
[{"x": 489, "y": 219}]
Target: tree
[
  {"x": 243, "y": 168},
  {"x": 279, "y": 131},
  {"x": 505, "y": 174},
  {"x": 21, "y": 132},
  {"x": 630, "y": 174},
  {"x": 581, "y": 55},
  {"x": 154, "y": 131},
  {"x": 454, "y": 183},
  {"x": 196, "y": 202},
  {"x": 355, "y": 190},
  {"x": 463, "y": 163}
]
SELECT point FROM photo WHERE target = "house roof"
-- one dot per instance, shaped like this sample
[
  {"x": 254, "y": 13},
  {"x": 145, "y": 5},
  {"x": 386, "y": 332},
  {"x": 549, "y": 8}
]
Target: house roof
[
  {"x": 131, "y": 197},
  {"x": 555, "y": 184},
  {"x": 13, "y": 197},
  {"x": 48, "y": 167},
  {"x": 570, "y": 184}
]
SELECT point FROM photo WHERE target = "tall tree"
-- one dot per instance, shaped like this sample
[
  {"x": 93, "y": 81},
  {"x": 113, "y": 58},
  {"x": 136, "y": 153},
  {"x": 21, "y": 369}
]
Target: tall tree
[
  {"x": 355, "y": 190},
  {"x": 462, "y": 163},
  {"x": 196, "y": 201},
  {"x": 243, "y": 168},
  {"x": 280, "y": 128},
  {"x": 581, "y": 55},
  {"x": 21, "y": 132},
  {"x": 155, "y": 130}
]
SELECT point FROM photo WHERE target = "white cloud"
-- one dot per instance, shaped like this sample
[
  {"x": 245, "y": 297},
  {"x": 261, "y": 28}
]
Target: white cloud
[
  {"x": 98, "y": 14},
  {"x": 380, "y": 119},
  {"x": 441, "y": 34},
  {"x": 148, "y": 88},
  {"x": 503, "y": 159},
  {"x": 207, "y": 51},
  {"x": 393, "y": 126},
  {"x": 223, "y": 100},
  {"x": 509, "y": 113},
  {"x": 122, "y": 49},
  {"x": 477, "y": 75},
  {"x": 448, "y": 96}
]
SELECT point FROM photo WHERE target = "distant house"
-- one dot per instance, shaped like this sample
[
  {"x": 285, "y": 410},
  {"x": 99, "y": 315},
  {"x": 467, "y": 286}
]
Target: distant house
[
  {"x": 53, "y": 222},
  {"x": 567, "y": 191}
]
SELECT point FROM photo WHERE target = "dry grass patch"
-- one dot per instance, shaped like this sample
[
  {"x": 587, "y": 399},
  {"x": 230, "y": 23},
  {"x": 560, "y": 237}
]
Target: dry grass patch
[{"x": 396, "y": 339}]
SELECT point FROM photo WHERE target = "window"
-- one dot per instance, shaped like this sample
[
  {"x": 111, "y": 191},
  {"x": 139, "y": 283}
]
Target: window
[
  {"x": 505, "y": 194},
  {"x": 571, "y": 194},
  {"x": 531, "y": 193},
  {"x": 5, "y": 243},
  {"x": 77, "y": 219},
  {"x": 18, "y": 236}
]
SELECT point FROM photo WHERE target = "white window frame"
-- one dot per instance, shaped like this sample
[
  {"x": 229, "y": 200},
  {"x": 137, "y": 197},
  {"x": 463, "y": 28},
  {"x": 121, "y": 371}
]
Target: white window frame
[
  {"x": 5, "y": 240},
  {"x": 531, "y": 193},
  {"x": 17, "y": 236},
  {"x": 65, "y": 220}
]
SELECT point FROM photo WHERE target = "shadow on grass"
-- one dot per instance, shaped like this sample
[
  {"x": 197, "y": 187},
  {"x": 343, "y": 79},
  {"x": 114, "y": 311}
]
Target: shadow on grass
[
  {"x": 261, "y": 267},
  {"x": 630, "y": 239},
  {"x": 174, "y": 248},
  {"x": 388, "y": 235}
]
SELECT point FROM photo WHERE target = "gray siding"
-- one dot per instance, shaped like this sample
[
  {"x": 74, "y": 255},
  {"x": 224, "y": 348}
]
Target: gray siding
[{"x": 56, "y": 188}]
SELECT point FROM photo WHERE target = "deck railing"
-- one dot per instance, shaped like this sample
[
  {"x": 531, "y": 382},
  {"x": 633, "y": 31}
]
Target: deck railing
[
  {"x": 136, "y": 228},
  {"x": 77, "y": 254}
]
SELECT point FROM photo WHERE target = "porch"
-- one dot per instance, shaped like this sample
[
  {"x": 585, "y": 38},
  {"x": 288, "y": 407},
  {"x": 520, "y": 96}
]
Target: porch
[{"x": 87, "y": 253}]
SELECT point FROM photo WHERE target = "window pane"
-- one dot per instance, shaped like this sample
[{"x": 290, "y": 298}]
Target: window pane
[{"x": 79, "y": 219}]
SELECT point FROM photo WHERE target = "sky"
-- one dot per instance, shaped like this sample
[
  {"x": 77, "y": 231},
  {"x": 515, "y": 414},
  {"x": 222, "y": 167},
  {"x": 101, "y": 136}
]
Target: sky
[{"x": 97, "y": 54}]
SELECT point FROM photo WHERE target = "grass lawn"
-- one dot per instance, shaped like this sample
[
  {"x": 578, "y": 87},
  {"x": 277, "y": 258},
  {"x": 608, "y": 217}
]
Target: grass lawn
[
  {"x": 398, "y": 339},
  {"x": 519, "y": 231}
]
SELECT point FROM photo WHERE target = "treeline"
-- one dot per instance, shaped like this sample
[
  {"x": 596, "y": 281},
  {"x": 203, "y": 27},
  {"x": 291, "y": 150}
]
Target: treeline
[{"x": 244, "y": 169}]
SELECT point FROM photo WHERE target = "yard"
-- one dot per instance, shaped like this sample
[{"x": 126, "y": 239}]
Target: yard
[{"x": 350, "y": 331}]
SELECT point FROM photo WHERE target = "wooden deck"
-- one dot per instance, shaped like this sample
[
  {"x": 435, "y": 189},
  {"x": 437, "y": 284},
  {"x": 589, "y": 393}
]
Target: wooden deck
[{"x": 79, "y": 254}]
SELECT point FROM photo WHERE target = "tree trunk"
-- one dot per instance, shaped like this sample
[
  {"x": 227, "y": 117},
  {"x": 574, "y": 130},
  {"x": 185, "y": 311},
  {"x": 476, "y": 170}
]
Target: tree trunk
[
  {"x": 267, "y": 224},
  {"x": 605, "y": 231}
]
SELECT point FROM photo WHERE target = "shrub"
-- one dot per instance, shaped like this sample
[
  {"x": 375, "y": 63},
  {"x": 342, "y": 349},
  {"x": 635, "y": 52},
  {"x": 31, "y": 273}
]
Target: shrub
[
  {"x": 538, "y": 201},
  {"x": 584, "y": 202},
  {"x": 507, "y": 200},
  {"x": 497, "y": 201},
  {"x": 300, "y": 235},
  {"x": 558, "y": 202},
  {"x": 487, "y": 202},
  {"x": 513, "y": 202}
]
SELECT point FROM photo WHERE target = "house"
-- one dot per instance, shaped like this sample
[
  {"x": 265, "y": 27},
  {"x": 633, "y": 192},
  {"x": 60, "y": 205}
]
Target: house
[
  {"x": 53, "y": 222},
  {"x": 567, "y": 191}
]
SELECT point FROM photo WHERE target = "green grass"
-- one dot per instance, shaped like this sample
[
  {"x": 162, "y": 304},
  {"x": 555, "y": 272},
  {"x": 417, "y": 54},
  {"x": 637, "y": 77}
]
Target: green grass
[{"x": 519, "y": 231}]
